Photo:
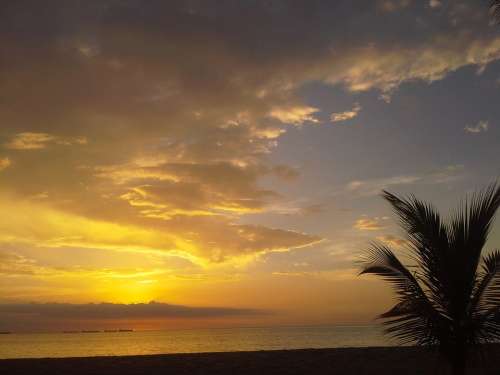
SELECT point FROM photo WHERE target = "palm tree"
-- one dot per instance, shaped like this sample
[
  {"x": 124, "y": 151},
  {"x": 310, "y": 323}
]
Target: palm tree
[{"x": 450, "y": 298}]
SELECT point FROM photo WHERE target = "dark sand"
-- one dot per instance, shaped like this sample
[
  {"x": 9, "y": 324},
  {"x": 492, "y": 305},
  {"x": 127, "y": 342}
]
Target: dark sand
[{"x": 405, "y": 361}]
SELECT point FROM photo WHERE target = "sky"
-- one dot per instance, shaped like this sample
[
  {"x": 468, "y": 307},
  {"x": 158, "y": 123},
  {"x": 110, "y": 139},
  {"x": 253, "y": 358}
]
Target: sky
[{"x": 219, "y": 163}]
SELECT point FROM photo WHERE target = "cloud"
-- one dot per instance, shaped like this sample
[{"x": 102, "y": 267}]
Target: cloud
[
  {"x": 391, "y": 240},
  {"x": 393, "y": 5},
  {"x": 480, "y": 127},
  {"x": 444, "y": 175},
  {"x": 375, "y": 186},
  {"x": 4, "y": 163},
  {"x": 13, "y": 264},
  {"x": 346, "y": 115},
  {"x": 297, "y": 115},
  {"x": 36, "y": 141},
  {"x": 92, "y": 311},
  {"x": 370, "y": 224},
  {"x": 198, "y": 239},
  {"x": 435, "y": 4},
  {"x": 386, "y": 69},
  {"x": 204, "y": 188},
  {"x": 312, "y": 209}
]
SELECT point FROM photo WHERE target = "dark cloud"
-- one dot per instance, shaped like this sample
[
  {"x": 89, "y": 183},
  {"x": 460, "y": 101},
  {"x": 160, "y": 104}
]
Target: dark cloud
[
  {"x": 32, "y": 317},
  {"x": 93, "y": 311}
]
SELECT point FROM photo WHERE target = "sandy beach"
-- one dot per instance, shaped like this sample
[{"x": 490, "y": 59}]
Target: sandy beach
[{"x": 369, "y": 361}]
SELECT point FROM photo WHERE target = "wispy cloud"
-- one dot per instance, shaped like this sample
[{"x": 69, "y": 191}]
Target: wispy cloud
[
  {"x": 296, "y": 115},
  {"x": 4, "y": 163},
  {"x": 371, "y": 224},
  {"x": 375, "y": 186},
  {"x": 385, "y": 70},
  {"x": 480, "y": 127},
  {"x": 87, "y": 50},
  {"x": 346, "y": 115},
  {"x": 435, "y": 4},
  {"x": 393, "y": 5},
  {"x": 37, "y": 141},
  {"x": 13, "y": 264},
  {"x": 392, "y": 240}
]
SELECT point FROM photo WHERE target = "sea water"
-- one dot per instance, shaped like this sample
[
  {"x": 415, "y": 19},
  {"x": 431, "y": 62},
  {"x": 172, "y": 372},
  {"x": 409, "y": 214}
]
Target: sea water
[{"x": 39, "y": 345}]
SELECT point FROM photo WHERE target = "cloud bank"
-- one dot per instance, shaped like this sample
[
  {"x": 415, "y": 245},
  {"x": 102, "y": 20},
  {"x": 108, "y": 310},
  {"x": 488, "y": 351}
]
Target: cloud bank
[{"x": 119, "y": 311}]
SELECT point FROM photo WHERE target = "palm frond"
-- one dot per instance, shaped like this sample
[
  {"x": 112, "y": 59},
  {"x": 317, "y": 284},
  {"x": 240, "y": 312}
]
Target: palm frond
[
  {"x": 486, "y": 326},
  {"x": 484, "y": 308},
  {"x": 381, "y": 261},
  {"x": 467, "y": 233},
  {"x": 428, "y": 238},
  {"x": 487, "y": 292},
  {"x": 414, "y": 318}
]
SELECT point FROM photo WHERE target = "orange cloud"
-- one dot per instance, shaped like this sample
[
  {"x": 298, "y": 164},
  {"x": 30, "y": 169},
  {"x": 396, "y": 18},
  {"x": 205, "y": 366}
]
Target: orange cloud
[
  {"x": 296, "y": 115},
  {"x": 346, "y": 115},
  {"x": 199, "y": 240},
  {"x": 393, "y": 5},
  {"x": 371, "y": 224},
  {"x": 392, "y": 240},
  {"x": 4, "y": 163},
  {"x": 36, "y": 141}
]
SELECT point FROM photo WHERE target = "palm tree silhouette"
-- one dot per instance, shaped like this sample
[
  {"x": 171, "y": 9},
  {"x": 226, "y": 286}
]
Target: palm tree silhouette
[{"x": 450, "y": 298}]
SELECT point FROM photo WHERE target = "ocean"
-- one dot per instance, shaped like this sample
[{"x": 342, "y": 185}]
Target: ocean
[{"x": 40, "y": 345}]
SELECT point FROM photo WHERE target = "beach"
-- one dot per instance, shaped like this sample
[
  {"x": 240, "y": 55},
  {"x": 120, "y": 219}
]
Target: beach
[{"x": 362, "y": 361}]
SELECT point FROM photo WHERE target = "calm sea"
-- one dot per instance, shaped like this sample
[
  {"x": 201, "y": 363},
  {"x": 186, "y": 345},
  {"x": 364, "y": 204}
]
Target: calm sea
[{"x": 187, "y": 341}]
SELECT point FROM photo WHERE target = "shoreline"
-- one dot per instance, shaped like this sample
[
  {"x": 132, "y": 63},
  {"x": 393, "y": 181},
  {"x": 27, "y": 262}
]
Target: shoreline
[{"x": 369, "y": 360}]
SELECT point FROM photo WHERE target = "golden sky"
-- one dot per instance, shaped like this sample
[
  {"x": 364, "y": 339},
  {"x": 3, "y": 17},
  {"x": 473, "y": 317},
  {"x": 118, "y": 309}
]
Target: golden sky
[{"x": 229, "y": 154}]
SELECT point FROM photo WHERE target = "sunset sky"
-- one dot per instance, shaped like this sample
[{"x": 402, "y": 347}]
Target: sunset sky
[{"x": 225, "y": 158}]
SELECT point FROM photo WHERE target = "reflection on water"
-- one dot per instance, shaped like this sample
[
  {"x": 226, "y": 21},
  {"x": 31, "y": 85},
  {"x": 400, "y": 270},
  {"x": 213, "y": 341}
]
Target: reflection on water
[{"x": 187, "y": 341}]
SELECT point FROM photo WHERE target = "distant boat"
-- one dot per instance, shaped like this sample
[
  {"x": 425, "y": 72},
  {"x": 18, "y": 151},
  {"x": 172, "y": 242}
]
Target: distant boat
[
  {"x": 90, "y": 331},
  {"x": 126, "y": 330},
  {"x": 5, "y": 332}
]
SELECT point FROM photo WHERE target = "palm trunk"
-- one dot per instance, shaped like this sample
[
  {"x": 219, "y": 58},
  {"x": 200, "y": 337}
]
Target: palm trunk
[
  {"x": 458, "y": 362},
  {"x": 458, "y": 367}
]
